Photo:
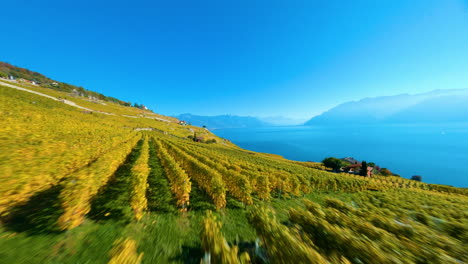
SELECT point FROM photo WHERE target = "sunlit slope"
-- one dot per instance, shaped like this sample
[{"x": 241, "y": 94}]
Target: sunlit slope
[
  {"x": 44, "y": 140},
  {"x": 78, "y": 185},
  {"x": 97, "y": 105}
]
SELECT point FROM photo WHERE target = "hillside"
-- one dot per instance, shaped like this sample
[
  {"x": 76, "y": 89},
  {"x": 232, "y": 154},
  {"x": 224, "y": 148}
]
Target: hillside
[
  {"x": 222, "y": 121},
  {"x": 27, "y": 76},
  {"x": 116, "y": 184},
  {"x": 432, "y": 107}
]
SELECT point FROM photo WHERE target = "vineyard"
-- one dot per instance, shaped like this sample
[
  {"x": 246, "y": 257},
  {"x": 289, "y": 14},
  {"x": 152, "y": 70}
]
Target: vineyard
[{"x": 79, "y": 187}]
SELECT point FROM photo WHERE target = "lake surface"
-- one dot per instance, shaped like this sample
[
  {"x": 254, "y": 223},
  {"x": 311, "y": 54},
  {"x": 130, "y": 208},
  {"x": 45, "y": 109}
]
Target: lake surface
[{"x": 439, "y": 153}]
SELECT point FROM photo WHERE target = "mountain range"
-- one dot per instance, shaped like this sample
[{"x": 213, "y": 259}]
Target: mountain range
[
  {"x": 282, "y": 121},
  {"x": 222, "y": 121},
  {"x": 233, "y": 121},
  {"x": 436, "y": 106}
]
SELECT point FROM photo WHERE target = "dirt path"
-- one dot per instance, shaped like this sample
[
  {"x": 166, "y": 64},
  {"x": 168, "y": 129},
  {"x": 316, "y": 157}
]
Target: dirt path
[
  {"x": 12, "y": 85},
  {"x": 3, "y": 83}
]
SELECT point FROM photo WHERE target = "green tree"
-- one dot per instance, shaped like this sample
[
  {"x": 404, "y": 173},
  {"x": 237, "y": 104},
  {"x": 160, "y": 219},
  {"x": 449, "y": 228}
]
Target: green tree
[
  {"x": 385, "y": 172},
  {"x": 416, "y": 178},
  {"x": 363, "y": 171},
  {"x": 333, "y": 163}
]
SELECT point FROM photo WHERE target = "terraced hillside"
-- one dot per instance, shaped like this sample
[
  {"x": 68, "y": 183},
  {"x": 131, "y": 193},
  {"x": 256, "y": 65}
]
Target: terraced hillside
[{"x": 116, "y": 186}]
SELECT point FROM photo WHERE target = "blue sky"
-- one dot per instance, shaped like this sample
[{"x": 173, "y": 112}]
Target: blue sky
[{"x": 244, "y": 57}]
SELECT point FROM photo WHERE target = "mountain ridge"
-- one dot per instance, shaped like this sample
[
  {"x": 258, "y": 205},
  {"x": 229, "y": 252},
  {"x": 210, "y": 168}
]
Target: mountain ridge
[
  {"x": 387, "y": 109},
  {"x": 222, "y": 121}
]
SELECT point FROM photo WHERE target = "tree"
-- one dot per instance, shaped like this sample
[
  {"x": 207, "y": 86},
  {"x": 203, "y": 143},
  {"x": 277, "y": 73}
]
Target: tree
[
  {"x": 385, "y": 172},
  {"x": 333, "y": 163},
  {"x": 417, "y": 178},
  {"x": 363, "y": 171}
]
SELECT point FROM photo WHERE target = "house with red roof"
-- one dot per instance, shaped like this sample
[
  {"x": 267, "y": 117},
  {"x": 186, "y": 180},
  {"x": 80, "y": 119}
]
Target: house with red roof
[{"x": 356, "y": 169}]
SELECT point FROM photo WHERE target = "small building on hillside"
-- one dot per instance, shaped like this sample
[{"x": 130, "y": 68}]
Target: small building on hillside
[
  {"x": 93, "y": 98},
  {"x": 76, "y": 92},
  {"x": 26, "y": 81},
  {"x": 353, "y": 168},
  {"x": 356, "y": 169}
]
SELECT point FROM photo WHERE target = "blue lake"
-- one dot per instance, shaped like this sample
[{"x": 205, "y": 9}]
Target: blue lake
[{"x": 439, "y": 153}]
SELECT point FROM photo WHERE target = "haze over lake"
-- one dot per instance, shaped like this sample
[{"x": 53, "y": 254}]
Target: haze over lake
[{"x": 439, "y": 153}]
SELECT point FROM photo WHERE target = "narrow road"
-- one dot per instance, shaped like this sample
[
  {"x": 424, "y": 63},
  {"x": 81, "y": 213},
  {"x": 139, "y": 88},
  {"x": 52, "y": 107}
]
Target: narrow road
[
  {"x": 11, "y": 85},
  {"x": 3, "y": 83}
]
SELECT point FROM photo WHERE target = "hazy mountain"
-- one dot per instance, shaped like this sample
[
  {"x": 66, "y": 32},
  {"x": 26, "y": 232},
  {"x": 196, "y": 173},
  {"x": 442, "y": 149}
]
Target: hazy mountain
[
  {"x": 282, "y": 121},
  {"x": 435, "y": 106},
  {"x": 222, "y": 121}
]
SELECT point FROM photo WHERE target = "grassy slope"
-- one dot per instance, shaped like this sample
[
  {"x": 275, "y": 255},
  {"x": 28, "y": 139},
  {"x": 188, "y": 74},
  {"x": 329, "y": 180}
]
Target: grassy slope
[
  {"x": 146, "y": 118},
  {"x": 164, "y": 237},
  {"x": 89, "y": 241}
]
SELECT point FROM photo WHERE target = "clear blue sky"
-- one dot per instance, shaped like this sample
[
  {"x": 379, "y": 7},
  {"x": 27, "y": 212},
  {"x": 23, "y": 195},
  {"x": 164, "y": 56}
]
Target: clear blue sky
[{"x": 243, "y": 57}]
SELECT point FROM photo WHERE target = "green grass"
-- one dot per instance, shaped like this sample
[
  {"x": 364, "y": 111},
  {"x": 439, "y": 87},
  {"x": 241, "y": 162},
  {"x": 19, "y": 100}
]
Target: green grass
[
  {"x": 158, "y": 193},
  {"x": 113, "y": 201},
  {"x": 88, "y": 243},
  {"x": 162, "y": 237}
]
